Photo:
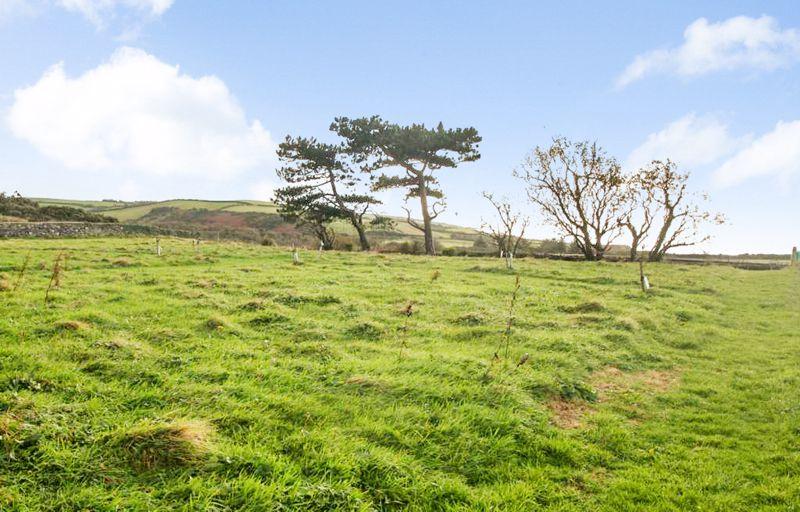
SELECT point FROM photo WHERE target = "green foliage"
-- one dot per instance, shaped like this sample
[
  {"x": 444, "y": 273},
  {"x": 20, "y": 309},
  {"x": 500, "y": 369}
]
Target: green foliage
[
  {"x": 322, "y": 187},
  {"x": 237, "y": 381},
  {"x": 414, "y": 152}
]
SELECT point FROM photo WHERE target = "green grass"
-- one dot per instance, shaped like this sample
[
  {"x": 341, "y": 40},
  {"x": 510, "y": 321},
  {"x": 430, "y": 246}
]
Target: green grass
[{"x": 235, "y": 380}]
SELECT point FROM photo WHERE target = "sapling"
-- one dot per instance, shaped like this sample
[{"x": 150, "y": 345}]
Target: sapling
[
  {"x": 510, "y": 320},
  {"x": 506, "y": 340},
  {"x": 55, "y": 277},
  {"x": 21, "y": 274},
  {"x": 407, "y": 311}
]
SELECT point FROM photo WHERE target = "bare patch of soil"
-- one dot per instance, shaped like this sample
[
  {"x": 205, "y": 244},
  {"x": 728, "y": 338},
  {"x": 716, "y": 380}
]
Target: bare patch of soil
[{"x": 609, "y": 382}]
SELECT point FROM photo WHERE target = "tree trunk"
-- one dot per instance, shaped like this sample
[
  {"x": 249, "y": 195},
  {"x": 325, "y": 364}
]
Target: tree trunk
[
  {"x": 430, "y": 249},
  {"x": 326, "y": 237},
  {"x": 362, "y": 237}
]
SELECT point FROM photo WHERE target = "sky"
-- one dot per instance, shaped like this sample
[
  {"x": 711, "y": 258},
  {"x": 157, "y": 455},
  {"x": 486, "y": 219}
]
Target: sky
[{"x": 159, "y": 99}]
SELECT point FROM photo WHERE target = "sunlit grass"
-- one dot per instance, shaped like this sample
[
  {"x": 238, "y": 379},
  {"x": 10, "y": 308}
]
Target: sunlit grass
[{"x": 233, "y": 379}]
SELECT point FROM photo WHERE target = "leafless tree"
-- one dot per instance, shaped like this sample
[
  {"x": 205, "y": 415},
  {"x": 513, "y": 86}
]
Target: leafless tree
[
  {"x": 638, "y": 217},
  {"x": 679, "y": 212},
  {"x": 580, "y": 190},
  {"x": 509, "y": 232}
]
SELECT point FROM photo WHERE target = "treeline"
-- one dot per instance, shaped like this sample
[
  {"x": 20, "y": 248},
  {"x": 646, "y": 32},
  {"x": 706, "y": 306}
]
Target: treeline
[
  {"x": 18, "y": 207},
  {"x": 576, "y": 187}
]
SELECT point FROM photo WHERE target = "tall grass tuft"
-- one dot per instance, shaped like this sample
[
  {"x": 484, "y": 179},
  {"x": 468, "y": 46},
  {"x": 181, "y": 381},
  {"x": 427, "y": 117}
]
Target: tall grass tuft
[
  {"x": 22, "y": 270},
  {"x": 407, "y": 312},
  {"x": 55, "y": 276}
]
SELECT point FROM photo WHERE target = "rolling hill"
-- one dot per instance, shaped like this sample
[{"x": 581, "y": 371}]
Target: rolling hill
[{"x": 250, "y": 220}]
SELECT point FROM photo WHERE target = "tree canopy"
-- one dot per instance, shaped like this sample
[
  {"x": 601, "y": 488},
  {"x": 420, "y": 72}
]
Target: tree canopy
[{"x": 414, "y": 152}]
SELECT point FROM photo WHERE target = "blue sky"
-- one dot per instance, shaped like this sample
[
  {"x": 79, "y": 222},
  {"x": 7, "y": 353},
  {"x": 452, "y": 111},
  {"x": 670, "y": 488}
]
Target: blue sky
[{"x": 129, "y": 113}]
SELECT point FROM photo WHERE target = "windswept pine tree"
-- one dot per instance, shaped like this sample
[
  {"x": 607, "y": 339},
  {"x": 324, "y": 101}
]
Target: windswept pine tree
[
  {"x": 414, "y": 153},
  {"x": 308, "y": 208},
  {"x": 322, "y": 187}
]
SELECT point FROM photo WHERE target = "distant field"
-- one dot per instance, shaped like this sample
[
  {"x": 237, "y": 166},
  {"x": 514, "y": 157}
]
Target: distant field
[
  {"x": 446, "y": 235},
  {"x": 230, "y": 379}
]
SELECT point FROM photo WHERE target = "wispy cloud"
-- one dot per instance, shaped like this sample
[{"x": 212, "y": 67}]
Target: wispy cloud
[
  {"x": 736, "y": 43},
  {"x": 689, "y": 141},
  {"x": 125, "y": 16},
  {"x": 99, "y": 11}
]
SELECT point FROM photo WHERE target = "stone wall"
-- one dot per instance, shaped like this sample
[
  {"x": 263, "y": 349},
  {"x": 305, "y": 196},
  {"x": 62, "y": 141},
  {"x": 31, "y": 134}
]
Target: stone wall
[{"x": 67, "y": 229}]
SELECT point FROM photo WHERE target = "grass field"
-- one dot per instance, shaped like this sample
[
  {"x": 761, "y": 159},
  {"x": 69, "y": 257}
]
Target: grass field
[{"x": 234, "y": 380}]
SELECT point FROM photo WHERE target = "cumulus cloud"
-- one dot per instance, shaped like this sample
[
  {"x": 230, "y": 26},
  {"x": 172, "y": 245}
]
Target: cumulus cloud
[
  {"x": 736, "y": 43},
  {"x": 97, "y": 11},
  {"x": 136, "y": 113},
  {"x": 776, "y": 153},
  {"x": 689, "y": 141}
]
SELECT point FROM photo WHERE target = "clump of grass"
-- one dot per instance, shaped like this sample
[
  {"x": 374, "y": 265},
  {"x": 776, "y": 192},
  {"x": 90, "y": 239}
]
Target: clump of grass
[
  {"x": 584, "y": 307},
  {"x": 122, "y": 262},
  {"x": 471, "y": 319},
  {"x": 363, "y": 381},
  {"x": 365, "y": 330},
  {"x": 152, "y": 445},
  {"x": 253, "y": 305},
  {"x": 571, "y": 390},
  {"x": 627, "y": 324},
  {"x": 71, "y": 325},
  {"x": 110, "y": 344},
  {"x": 20, "y": 383},
  {"x": 216, "y": 323},
  {"x": 683, "y": 316},
  {"x": 290, "y": 299},
  {"x": 17, "y": 437},
  {"x": 267, "y": 319}
]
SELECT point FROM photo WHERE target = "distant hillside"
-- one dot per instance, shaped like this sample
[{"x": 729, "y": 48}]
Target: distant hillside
[
  {"x": 250, "y": 220},
  {"x": 15, "y": 208}
]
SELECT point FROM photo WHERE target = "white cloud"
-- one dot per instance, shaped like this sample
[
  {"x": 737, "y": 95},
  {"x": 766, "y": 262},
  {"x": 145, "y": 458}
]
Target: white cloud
[
  {"x": 689, "y": 141},
  {"x": 136, "y": 113},
  {"x": 736, "y": 43},
  {"x": 97, "y": 11},
  {"x": 776, "y": 153}
]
